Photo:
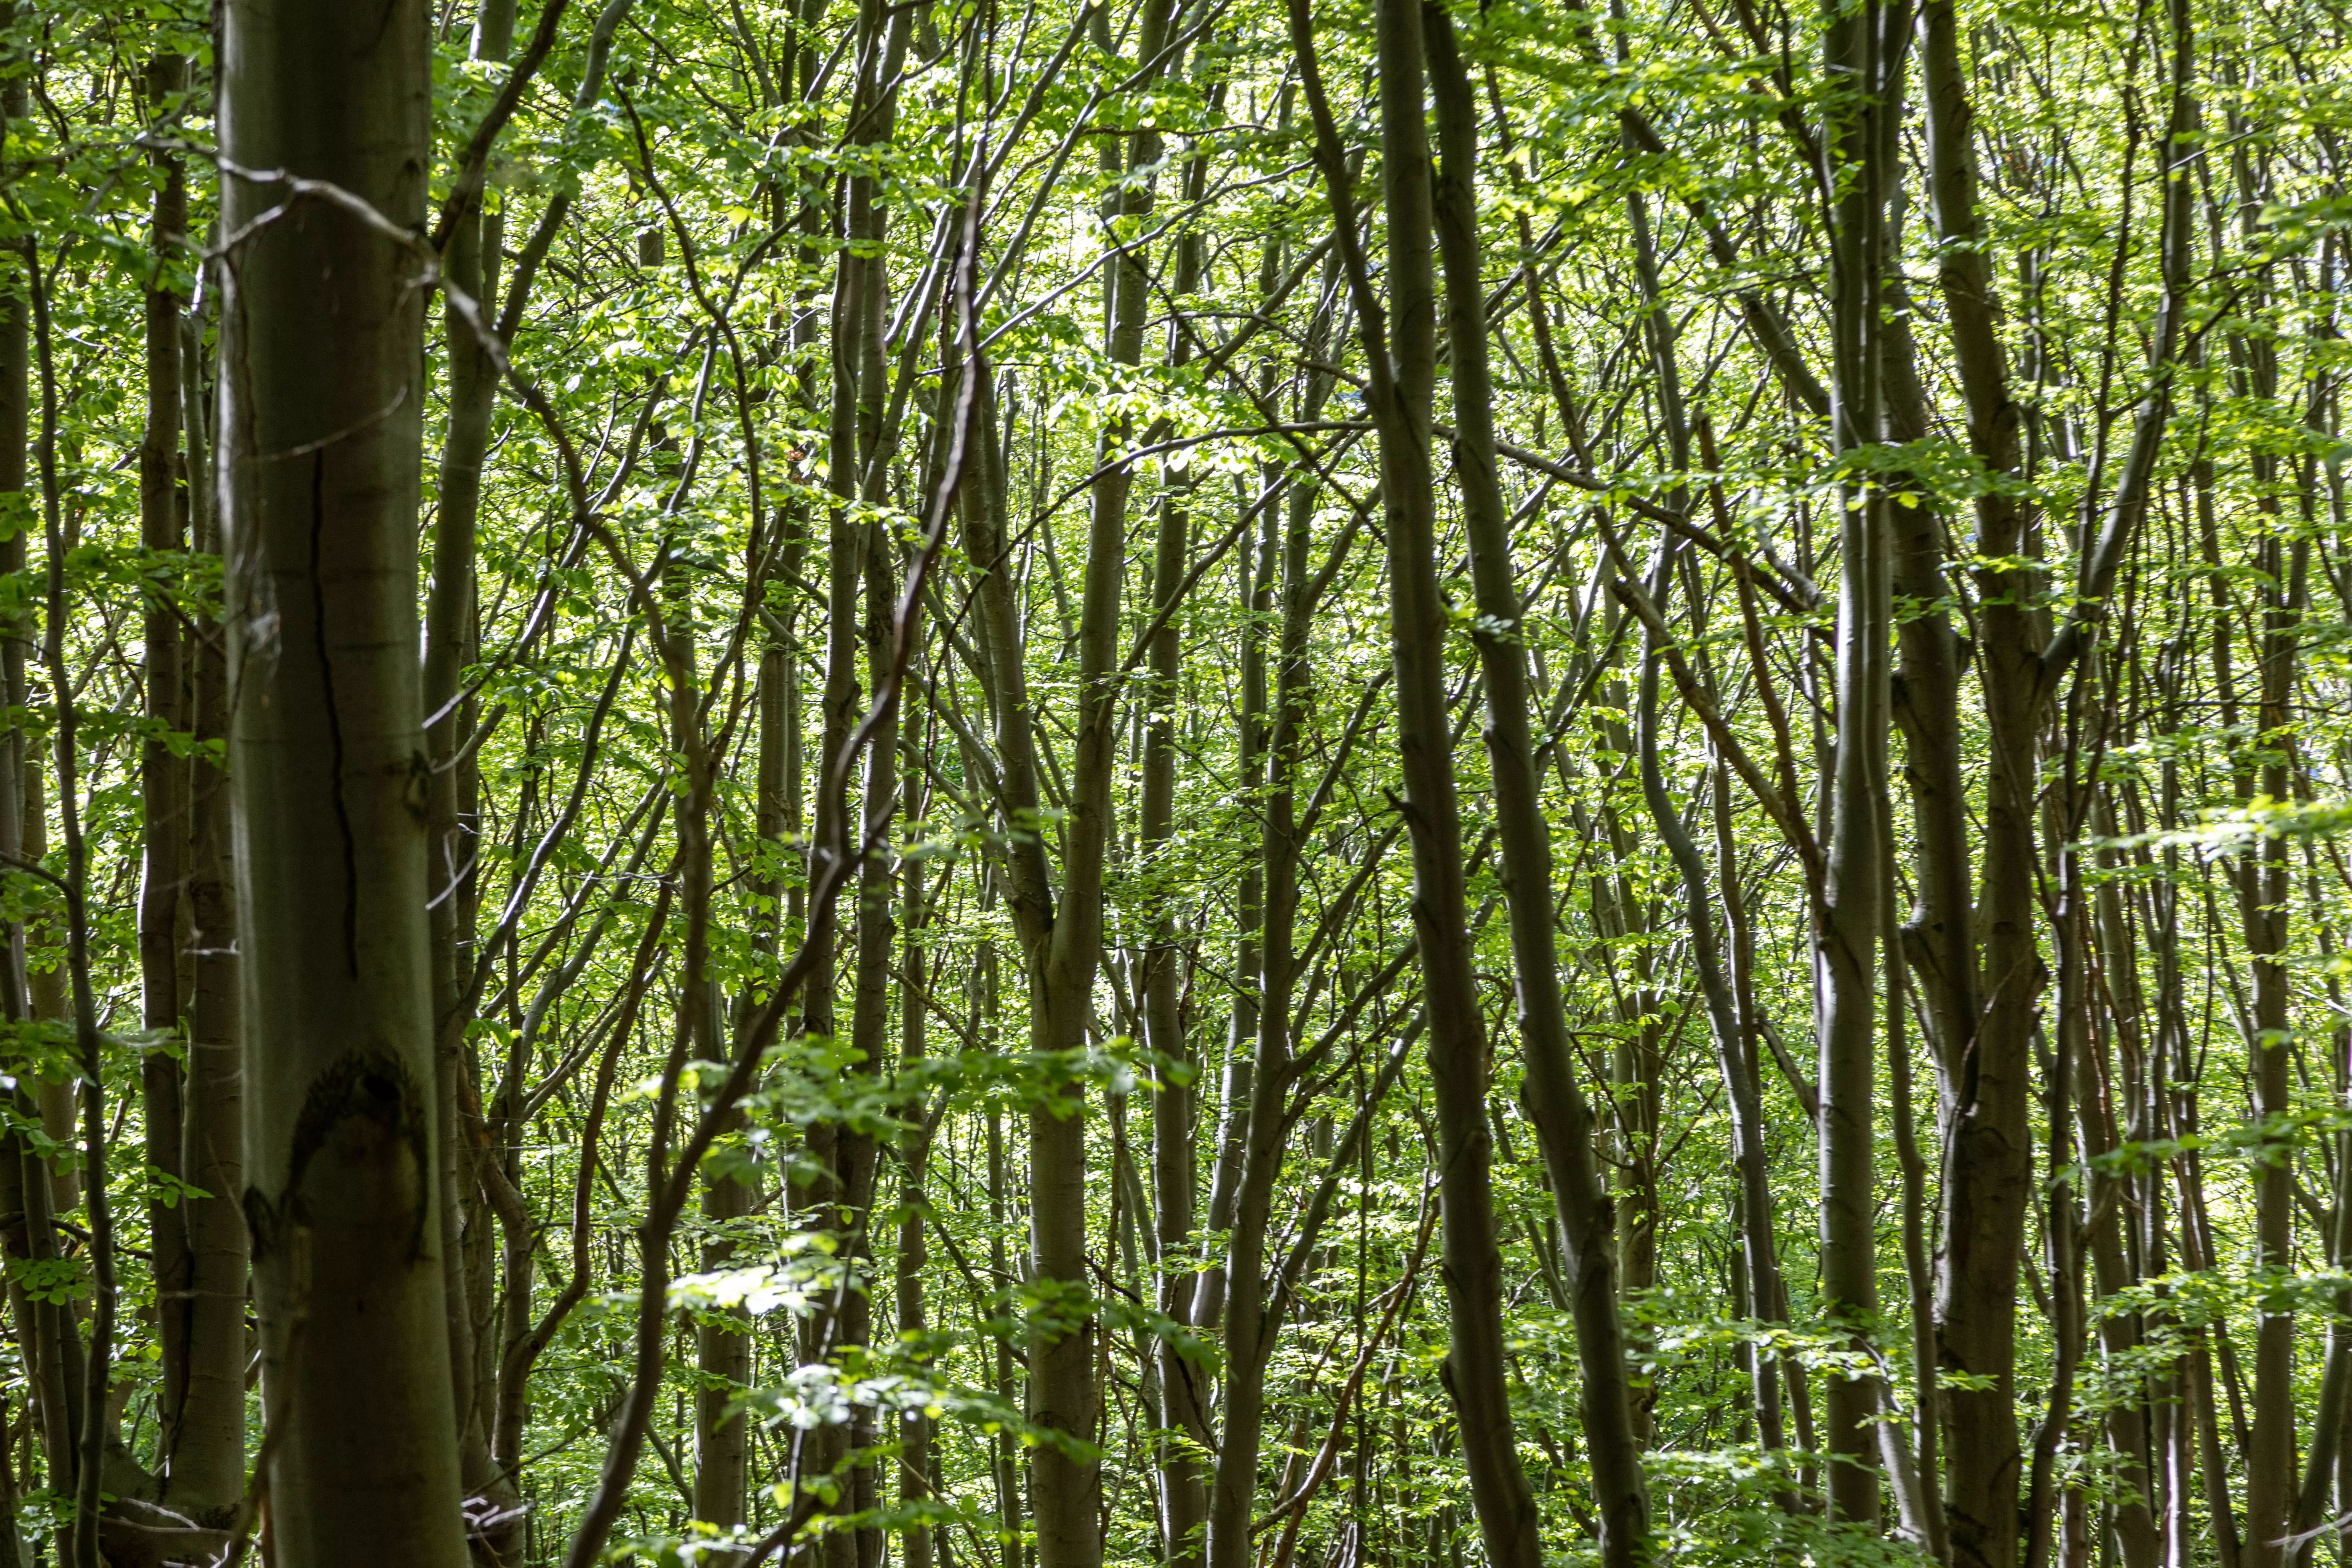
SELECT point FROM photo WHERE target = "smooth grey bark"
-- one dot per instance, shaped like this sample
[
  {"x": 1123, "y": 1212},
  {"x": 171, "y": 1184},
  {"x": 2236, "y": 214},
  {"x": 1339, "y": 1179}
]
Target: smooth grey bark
[
  {"x": 2139, "y": 1428},
  {"x": 2061, "y": 1215},
  {"x": 847, "y": 1153},
  {"x": 320, "y": 390},
  {"x": 92, "y": 1439},
  {"x": 13, "y": 1150},
  {"x": 880, "y": 42},
  {"x": 2306, "y": 1523},
  {"x": 51, "y": 1348},
  {"x": 56, "y": 1362},
  {"x": 1984, "y": 1062},
  {"x": 1005, "y": 1456},
  {"x": 1238, "y": 1086},
  {"x": 1262, "y": 1074},
  {"x": 1728, "y": 1020},
  {"x": 1060, "y": 928},
  {"x": 2263, "y": 891},
  {"x": 1935, "y": 949},
  {"x": 1988, "y": 1165},
  {"x": 1182, "y": 1383}
]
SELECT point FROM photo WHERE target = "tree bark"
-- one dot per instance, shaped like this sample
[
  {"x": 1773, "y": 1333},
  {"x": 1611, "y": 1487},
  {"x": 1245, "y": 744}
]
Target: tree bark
[
  {"x": 320, "y": 398},
  {"x": 1847, "y": 919},
  {"x": 1399, "y": 397},
  {"x": 1563, "y": 1121},
  {"x": 1184, "y": 1496},
  {"x": 164, "y": 779},
  {"x": 207, "y": 1474},
  {"x": 453, "y": 837}
]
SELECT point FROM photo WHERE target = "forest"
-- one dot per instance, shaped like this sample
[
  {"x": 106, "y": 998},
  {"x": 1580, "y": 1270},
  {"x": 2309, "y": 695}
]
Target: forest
[{"x": 1209, "y": 783}]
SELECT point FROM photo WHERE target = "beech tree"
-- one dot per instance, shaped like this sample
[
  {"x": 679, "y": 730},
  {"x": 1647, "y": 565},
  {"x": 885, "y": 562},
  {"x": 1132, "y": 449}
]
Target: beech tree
[{"x": 325, "y": 123}]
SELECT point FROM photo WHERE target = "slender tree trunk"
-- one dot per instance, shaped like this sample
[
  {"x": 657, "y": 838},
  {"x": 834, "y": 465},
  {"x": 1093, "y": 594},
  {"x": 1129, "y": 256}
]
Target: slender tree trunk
[
  {"x": 1937, "y": 944},
  {"x": 915, "y": 1426},
  {"x": 1064, "y": 1396},
  {"x": 1563, "y": 1119},
  {"x": 453, "y": 837},
  {"x": 163, "y": 783},
  {"x": 2320, "y": 1469},
  {"x": 1249, "y": 1330},
  {"x": 2122, "y": 1334},
  {"x": 847, "y": 1153},
  {"x": 18, "y": 1162},
  {"x": 1989, "y": 1160},
  {"x": 207, "y": 1474},
  {"x": 1061, "y": 941},
  {"x": 2263, "y": 889},
  {"x": 1005, "y": 1456},
  {"x": 1401, "y": 346},
  {"x": 2061, "y": 1224},
  {"x": 1847, "y": 920},
  {"x": 1238, "y": 1090},
  {"x": 49, "y": 1184},
  {"x": 1184, "y": 1496},
  {"x": 52, "y": 1350},
  {"x": 320, "y": 401}
]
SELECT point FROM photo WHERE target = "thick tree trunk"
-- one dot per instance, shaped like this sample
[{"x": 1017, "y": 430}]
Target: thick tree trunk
[
  {"x": 1985, "y": 1073},
  {"x": 320, "y": 398}
]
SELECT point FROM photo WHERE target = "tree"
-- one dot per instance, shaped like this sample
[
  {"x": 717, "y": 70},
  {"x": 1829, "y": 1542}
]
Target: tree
[{"x": 325, "y": 121}]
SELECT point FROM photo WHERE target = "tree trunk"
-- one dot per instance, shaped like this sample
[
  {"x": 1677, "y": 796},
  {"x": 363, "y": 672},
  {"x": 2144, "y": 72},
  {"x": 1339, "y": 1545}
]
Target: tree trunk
[
  {"x": 320, "y": 399},
  {"x": 1249, "y": 1330},
  {"x": 1985, "y": 1073},
  {"x": 915, "y": 1426},
  {"x": 1563, "y": 1119},
  {"x": 1399, "y": 397},
  {"x": 1184, "y": 1496},
  {"x": 1848, "y": 927},
  {"x": 453, "y": 837},
  {"x": 163, "y": 777},
  {"x": 207, "y": 1474}
]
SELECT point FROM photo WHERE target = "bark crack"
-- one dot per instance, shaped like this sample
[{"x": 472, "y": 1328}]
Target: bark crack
[{"x": 334, "y": 717}]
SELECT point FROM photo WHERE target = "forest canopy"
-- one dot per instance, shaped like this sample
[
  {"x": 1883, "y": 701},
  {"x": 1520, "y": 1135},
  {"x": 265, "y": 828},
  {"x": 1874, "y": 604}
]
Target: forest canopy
[{"x": 1228, "y": 784}]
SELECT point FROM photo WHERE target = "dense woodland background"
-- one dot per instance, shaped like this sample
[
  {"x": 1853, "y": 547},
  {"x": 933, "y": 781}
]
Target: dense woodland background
[{"x": 1019, "y": 783}]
